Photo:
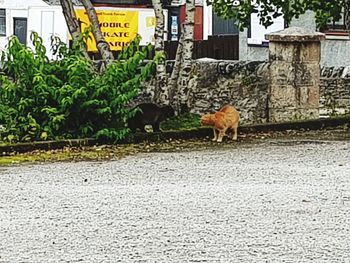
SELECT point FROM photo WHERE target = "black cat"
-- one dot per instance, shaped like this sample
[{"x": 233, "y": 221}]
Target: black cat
[{"x": 150, "y": 114}]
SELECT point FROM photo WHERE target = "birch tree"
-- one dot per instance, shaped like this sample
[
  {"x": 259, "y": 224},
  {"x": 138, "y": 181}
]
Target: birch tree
[
  {"x": 161, "y": 77},
  {"x": 75, "y": 30},
  {"x": 185, "y": 68},
  {"x": 101, "y": 43},
  {"x": 347, "y": 14},
  {"x": 177, "y": 85},
  {"x": 72, "y": 23}
]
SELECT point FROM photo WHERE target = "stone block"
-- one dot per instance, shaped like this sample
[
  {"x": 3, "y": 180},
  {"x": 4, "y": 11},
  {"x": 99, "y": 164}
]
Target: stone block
[
  {"x": 281, "y": 51},
  {"x": 295, "y": 52},
  {"x": 285, "y": 115},
  {"x": 307, "y": 74},
  {"x": 295, "y": 34},
  {"x": 309, "y": 52},
  {"x": 282, "y": 96},
  {"x": 285, "y": 73},
  {"x": 282, "y": 73},
  {"x": 294, "y": 96},
  {"x": 309, "y": 97}
]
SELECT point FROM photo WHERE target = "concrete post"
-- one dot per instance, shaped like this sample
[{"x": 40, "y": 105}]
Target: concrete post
[{"x": 294, "y": 56}]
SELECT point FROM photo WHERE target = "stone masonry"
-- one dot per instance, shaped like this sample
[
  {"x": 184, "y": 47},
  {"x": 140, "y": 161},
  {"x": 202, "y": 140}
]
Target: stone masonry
[
  {"x": 335, "y": 91},
  {"x": 216, "y": 83},
  {"x": 294, "y": 56},
  {"x": 289, "y": 87},
  {"x": 244, "y": 85}
]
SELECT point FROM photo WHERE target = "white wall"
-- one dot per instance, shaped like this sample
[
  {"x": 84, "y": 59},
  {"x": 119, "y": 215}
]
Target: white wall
[
  {"x": 334, "y": 52},
  {"x": 47, "y": 21},
  {"x": 21, "y": 4},
  {"x": 207, "y": 20},
  {"x": 42, "y": 18}
]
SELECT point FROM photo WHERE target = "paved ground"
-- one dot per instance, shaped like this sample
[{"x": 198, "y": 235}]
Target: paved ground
[{"x": 274, "y": 201}]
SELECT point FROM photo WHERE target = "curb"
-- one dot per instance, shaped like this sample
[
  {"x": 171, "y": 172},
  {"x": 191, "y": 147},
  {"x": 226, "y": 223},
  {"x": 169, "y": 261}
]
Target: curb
[{"x": 318, "y": 124}]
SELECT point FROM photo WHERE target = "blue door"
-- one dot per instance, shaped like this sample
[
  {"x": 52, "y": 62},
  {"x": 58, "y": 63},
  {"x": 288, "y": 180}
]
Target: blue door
[{"x": 20, "y": 29}]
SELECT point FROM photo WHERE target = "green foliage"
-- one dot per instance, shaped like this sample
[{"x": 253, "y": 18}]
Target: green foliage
[
  {"x": 267, "y": 10},
  {"x": 67, "y": 98}
]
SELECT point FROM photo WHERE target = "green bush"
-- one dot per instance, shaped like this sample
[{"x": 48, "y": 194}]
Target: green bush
[{"x": 67, "y": 97}]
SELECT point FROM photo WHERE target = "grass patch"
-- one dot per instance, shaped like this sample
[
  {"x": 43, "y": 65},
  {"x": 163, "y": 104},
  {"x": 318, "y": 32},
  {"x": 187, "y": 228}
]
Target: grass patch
[
  {"x": 94, "y": 153},
  {"x": 102, "y": 152},
  {"x": 185, "y": 121}
]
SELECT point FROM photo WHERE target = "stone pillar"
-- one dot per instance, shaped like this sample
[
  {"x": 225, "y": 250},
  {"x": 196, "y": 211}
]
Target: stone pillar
[{"x": 294, "y": 56}]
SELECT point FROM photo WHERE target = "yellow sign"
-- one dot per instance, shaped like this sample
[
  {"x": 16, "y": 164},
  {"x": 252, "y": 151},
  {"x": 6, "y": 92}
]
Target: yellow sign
[{"x": 118, "y": 27}]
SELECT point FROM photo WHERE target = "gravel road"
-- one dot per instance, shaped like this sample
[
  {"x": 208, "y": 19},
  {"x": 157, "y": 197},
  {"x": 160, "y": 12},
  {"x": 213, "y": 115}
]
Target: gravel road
[{"x": 273, "y": 201}]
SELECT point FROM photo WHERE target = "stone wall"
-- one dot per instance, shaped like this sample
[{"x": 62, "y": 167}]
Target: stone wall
[
  {"x": 246, "y": 86},
  {"x": 216, "y": 83},
  {"x": 284, "y": 89},
  {"x": 335, "y": 91}
]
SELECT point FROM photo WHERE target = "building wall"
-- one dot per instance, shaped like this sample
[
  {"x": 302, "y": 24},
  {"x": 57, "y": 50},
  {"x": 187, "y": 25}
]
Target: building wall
[
  {"x": 44, "y": 19},
  {"x": 47, "y": 21},
  {"x": 21, "y": 3},
  {"x": 334, "y": 52},
  {"x": 207, "y": 21},
  {"x": 250, "y": 52}
]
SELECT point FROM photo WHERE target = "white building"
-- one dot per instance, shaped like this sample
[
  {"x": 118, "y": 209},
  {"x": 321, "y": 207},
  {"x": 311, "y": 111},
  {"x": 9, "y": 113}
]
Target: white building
[{"x": 20, "y": 18}]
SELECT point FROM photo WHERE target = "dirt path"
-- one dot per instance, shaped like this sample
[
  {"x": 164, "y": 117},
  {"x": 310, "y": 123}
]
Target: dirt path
[{"x": 268, "y": 199}]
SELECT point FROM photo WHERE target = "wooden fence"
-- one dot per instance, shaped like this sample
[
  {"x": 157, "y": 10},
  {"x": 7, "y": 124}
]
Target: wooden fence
[{"x": 217, "y": 47}]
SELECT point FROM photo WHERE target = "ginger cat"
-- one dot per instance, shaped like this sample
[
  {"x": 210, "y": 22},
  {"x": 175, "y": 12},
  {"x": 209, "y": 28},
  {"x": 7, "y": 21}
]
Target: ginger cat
[{"x": 227, "y": 118}]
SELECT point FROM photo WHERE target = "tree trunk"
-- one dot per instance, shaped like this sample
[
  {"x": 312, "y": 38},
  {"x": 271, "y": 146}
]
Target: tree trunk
[
  {"x": 177, "y": 85},
  {"x": 72, "y": 22},
  {"x": 172, "y": 85},
  {"x": 347, "y": 14},
  {"x": 186, "y": 60},
  {"x": 161, "y": 77},
  {"x": 102, "y": 45}
]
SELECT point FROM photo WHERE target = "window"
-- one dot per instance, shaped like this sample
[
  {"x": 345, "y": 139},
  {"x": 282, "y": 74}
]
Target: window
[
  {"x": 224, "y": 26},
  {"x": 337, "y": 27},
  {"x": 20, "y": 29},
  {"x": 2, "y": 22}
]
